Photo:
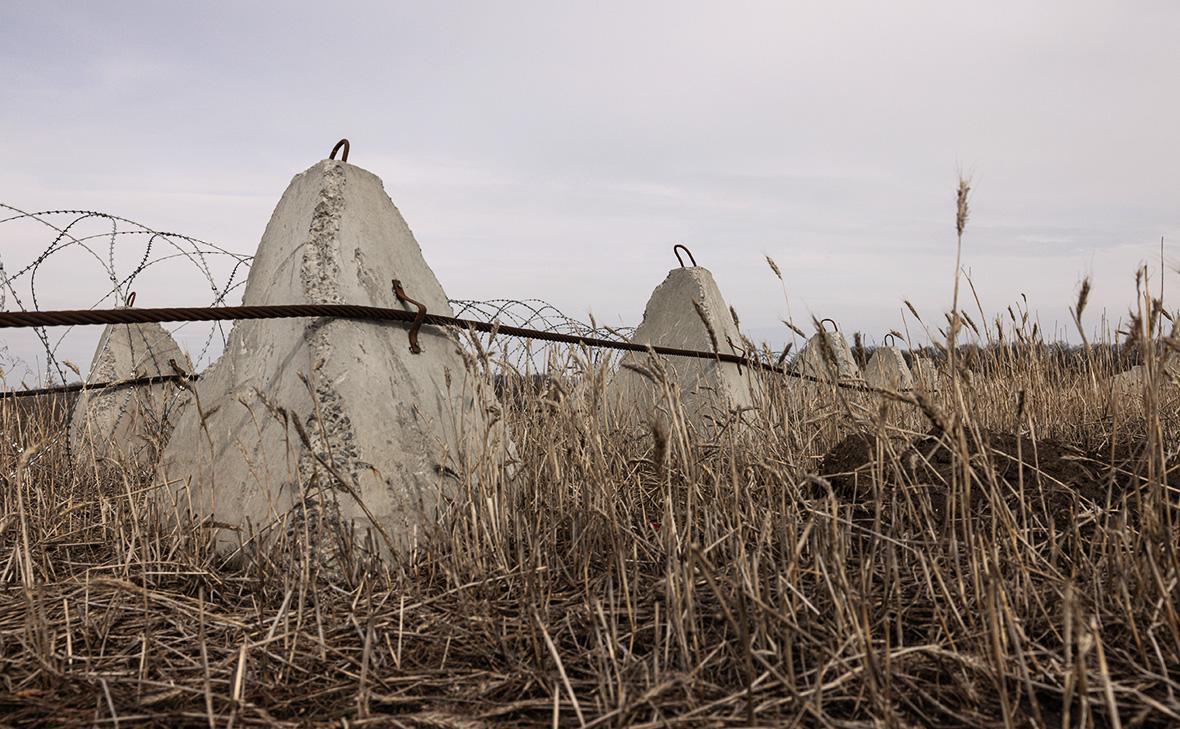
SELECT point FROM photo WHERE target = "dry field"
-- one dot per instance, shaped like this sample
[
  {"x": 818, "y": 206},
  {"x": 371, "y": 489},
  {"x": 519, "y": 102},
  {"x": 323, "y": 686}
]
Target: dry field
[{"x": 1000, "y": 553}]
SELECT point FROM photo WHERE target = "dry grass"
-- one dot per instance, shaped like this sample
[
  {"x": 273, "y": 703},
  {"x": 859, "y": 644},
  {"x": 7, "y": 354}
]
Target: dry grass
[
  {"x": 1001, "y": 552},
  {"x": 1003, "y": 555}
]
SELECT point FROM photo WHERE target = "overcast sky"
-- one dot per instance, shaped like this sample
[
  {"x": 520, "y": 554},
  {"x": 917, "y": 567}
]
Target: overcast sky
[{"x": 557, "y": 151}]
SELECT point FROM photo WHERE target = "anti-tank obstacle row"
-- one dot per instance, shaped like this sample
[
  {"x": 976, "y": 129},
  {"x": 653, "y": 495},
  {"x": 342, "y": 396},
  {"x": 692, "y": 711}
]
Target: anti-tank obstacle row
[{"x": 325, "y": 416}]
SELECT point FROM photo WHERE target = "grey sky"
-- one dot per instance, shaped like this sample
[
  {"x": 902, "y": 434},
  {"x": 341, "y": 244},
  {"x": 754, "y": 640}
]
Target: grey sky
[{"x": 558, "y": 151}]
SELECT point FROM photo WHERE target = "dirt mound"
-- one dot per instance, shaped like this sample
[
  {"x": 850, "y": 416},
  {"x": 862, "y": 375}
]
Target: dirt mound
[{"x": 1055, "y": 477}]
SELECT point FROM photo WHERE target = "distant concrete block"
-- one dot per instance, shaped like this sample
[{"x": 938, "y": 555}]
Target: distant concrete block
[
  {"x": 1130, "y": 383},
  {"x": 887, "y": 369},
  {"x": 926, "y": 374},
  {"x": 827, "y": 354},
  {"x": 687, "y": 311},
  {"x": 307, "y": 423},
  {"x": 128, "y": 425}
]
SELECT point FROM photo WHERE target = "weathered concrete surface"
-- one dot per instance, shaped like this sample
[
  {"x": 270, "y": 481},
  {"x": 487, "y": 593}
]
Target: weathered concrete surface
[
  {"x": 128, "y": 425},
  {"x": 687, "y": 311},
  {"x": 1131, "y": 382},
  {"x": 326, "y": 422},
  {"x": 814, "y": 362},
  {"x": 926, "y": 375},
  {"x": 887, "y": 369}
]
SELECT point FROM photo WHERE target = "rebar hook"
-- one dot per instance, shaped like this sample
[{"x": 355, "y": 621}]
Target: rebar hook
[
  {"x": 680, "y": 247},
  {"x": 835, "y": 326},
  {"x": 740, "y": 351},
  {"x": 889, "y": 338},
  {"x": 400, "y": 293},
  {"x": 344, "y": 155}
]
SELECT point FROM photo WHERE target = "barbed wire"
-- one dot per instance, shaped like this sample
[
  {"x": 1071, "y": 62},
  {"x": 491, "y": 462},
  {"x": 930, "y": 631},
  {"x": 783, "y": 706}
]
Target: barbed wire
[
  {"x": 75, "y": 239},
  {"x": 512, "y": 324},
  {"x": 147, "y": 250},
  {"x": 542, "y": 316}
]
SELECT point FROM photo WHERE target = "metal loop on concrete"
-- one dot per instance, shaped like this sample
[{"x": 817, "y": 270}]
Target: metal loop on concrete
[
  {"x": 130, "y": 299},
  {"x": 890, "y": 340},
  {"x": 680, "y": 247},
  {"x": 835, "y": 326},
  {"x": 400, "y": 293},
  {"x": 344, "y": 156}
]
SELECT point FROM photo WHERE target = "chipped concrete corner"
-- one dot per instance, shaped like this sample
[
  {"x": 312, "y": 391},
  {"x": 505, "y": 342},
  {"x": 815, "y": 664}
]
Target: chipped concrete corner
[
  {"x": 306, "y": 424},
  {"x": 686, "y": 311},
  {"x": 128, "y": 425}
]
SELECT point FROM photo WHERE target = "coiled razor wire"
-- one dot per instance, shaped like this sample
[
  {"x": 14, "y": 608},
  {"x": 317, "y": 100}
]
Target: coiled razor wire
[
  {"x": 126, "y": 251},
  {"x": 542, "y": 316},
  {"x": 106, "y": 241},
  {"x": 521, "y": 321}
]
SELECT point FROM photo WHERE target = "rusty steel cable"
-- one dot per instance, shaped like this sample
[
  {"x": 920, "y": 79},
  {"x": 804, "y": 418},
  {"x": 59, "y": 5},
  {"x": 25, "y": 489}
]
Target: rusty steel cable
[
  {"x": 83, "y": 317},
  {"x": 93, "y": 386}
]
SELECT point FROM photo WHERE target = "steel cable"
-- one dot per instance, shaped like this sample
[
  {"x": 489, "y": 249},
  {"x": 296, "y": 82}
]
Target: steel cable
[{"x": 81, "y": 317}]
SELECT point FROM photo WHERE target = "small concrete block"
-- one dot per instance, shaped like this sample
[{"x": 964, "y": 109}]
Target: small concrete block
[
  {"x": 887, "y": 370},
  {"x": 1129, "y": 384},
  {"x": 814, "y": 362},
  {"x": 926, "y": 374},
  {"x": 128, "y": 425},
  {"x": 687, "y": 311}
]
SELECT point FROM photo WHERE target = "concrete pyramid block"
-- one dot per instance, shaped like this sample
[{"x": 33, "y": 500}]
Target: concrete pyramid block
[
  {"x": 827, "y": 354},
  {"x": 887, "y": 369},
  {"x": 687, "y": 311},
  {"x": 1130, "y": 383},
  {"x": 128, "y": 425},
  {"x": 926, "y": 375},
  {"x": 332, "y": 422}
]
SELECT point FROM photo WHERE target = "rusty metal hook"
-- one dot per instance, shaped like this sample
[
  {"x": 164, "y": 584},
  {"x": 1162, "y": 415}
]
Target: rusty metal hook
[
  {"x": 889, "y": 338},
  {"x": 835, "y": 326},
  {"x": 680, "y": 247},
  {"x": 400, "y": 293},
  {"x": 130, "y": 300},
  {"x": 740, "y": 351},
  {"x": 344, "y": 156}
]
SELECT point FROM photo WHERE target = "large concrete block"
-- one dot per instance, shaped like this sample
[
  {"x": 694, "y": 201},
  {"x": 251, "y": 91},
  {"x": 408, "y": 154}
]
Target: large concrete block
[
  {"x": 331, "y": 422},
  {"x": 687, "y": 311},
  {"x": 887, "y": 369},
  {"x": 827, "y": 354},
  {"x": 128, "y": 425}
]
